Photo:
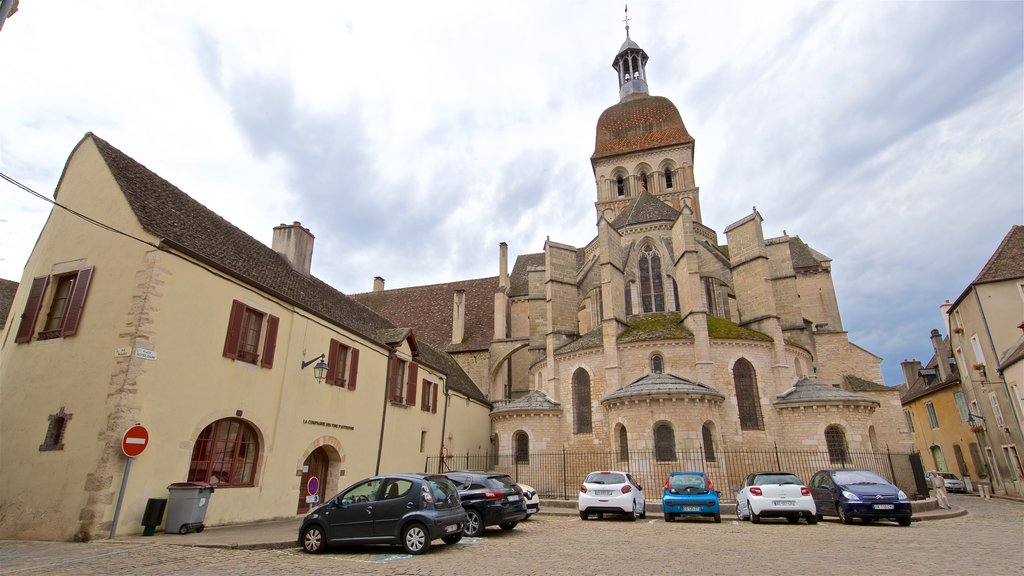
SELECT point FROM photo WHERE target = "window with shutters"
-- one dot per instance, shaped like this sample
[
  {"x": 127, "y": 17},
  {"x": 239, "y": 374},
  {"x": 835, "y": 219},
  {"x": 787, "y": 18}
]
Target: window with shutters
[
  {"x": 652, "y": 291},
  {"x": 65, "y": 294},
  {"x": 404, "y": 376},
  {"x": 225, "y": 454},
  {"x": 251, "y": 335},
  {"x": 835, "y": 443},
  {"x": 54, "y": 439},
  {"x": 664, "y": 442},
  {"x": 522, "y": 446},
  {"x": 748, "y": 401},
  {"x": 428, "y": 397},
  {"x": 933, "y": 418},
  {"x": 342, "y": 365},
  {"x": 582, "y": 421}
]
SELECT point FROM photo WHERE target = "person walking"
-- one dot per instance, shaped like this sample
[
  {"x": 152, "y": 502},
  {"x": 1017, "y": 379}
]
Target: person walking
[{"x": 939, "y": 484}]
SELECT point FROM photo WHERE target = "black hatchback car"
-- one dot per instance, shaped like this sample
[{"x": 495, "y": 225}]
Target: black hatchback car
[
  {"x": 490, "y": 498},
  {"x": 407, "y": 509},
  {"x": 862, "y": 494}
]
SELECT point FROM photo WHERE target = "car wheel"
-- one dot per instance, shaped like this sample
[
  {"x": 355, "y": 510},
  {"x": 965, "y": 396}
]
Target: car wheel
[
  {"x": 313, "y": 540},
  {"x": 818, "y": 517},
  {"x": 474, "y": 523},
  {"x": 718, "y": 518},
  {"x": 844, "y": 516},
  {"x": 739, "y": 515},
  {"x": 754, "y": 518},
  {"x": 415, "y": 539},
  {"x": 452, "y": 538},
  {"x": 507, "y": 525},
  {"x": 643, "y": 512},
  {"x": 668, "y": 517},
  {"x": 633, "y": 515},
  {"x": 792, "y": 519},
  {"x": 813, "y": 519},
  {"x": 584, "y": 516},
  {"x": 903, "y": 521}
]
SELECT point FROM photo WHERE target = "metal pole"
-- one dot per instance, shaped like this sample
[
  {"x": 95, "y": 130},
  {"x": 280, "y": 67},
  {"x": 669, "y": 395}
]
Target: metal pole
[{"x": 120, "y": 496}]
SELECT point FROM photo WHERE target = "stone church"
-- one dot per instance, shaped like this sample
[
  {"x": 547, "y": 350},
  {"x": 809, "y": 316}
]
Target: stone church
[{"x": 656, "y": 335}]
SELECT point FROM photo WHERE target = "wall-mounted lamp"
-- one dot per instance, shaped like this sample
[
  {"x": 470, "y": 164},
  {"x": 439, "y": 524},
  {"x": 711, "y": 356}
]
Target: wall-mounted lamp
[
  {"x": 974, "y": 423},
  {"x": 320, "y": 370}
]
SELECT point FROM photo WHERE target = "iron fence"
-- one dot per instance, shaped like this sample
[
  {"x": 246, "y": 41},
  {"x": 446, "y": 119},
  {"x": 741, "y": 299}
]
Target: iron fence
[{"x": 558, "y": 475}]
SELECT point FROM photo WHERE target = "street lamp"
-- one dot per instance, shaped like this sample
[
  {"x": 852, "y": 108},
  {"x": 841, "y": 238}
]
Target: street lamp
[
  {"x": 974, "y": 424},
  {"x": 320, "y": 370}
]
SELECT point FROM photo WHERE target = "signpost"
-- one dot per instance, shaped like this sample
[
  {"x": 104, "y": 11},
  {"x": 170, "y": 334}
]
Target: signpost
[
  {"x": 312, "y": 487},
  {"x": 133, "y": 442}
]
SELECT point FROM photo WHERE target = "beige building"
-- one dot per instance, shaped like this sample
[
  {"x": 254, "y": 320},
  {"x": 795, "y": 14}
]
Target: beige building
[
  {"x": 986, "y": 324},
  {"x": 139, "y": 305}
]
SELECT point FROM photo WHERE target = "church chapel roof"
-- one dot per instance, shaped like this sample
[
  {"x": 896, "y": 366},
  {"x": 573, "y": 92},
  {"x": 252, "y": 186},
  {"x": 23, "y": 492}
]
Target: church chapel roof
[
  {"x": 810, "y": 391},
  {"x": 7, "y": 290},
  {"x": 185, "y": 225},
  {"x": 803, "y": 256},
  {"x": 661, "y": 386},
  {"x": 644, "y": 209},
  {"x": 638, "y": 123},
  {"x": 858, "y": 384},
  {"x": 535, "y": 401}
]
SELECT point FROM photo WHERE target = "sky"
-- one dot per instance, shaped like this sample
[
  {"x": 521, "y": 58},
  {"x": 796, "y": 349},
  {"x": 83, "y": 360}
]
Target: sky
[{"x": 412, "y": 138}]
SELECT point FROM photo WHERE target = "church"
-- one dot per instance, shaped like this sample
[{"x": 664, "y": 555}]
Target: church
[{"x": 657, "y": 335}]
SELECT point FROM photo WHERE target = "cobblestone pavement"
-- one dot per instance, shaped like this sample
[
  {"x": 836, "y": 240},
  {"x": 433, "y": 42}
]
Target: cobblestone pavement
[{"x": 986, "y": 541}]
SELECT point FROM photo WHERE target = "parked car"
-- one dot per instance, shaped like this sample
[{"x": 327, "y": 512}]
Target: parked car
[
  {"x": 775, "y": 495},
  {"x": 532, "y": 500},
  {"x": 407, "y": 509},
  {"x": 490, "y": 498},
  {"x": 953, "y": 482},
  {"x": 611, "y": 492},
  {"x": 862, "y": 494},
  {"x": 689, "y": 493}
]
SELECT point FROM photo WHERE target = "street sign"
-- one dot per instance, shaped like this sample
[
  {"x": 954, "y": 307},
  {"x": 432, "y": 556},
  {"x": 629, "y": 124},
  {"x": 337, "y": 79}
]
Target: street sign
[
  {"x": 313, "y": 486},
  {"x": 135, "y": 441}
]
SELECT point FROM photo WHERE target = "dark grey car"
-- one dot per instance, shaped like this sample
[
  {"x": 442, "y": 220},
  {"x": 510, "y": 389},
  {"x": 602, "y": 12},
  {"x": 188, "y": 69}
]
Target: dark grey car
[{"x": 407, "y": 509}]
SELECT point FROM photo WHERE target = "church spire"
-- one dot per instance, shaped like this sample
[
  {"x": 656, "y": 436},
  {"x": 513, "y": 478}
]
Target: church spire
[{"x": 631, "y": 65}]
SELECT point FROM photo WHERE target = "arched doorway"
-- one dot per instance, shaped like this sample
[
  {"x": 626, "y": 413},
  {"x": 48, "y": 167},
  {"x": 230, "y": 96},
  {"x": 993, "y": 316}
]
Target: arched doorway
[{"x": 315, "y": 465}]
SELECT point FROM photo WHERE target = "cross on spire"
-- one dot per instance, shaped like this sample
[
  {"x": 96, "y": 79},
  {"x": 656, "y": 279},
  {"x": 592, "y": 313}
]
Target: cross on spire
[{"x": 626, "y": 20}]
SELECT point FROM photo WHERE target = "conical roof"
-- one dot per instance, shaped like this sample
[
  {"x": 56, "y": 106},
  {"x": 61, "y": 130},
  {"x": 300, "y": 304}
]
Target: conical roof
[{"x": 644, "y": 209}]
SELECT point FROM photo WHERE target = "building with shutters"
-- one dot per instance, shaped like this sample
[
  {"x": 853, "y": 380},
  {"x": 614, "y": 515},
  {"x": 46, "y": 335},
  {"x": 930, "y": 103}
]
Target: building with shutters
[{"x": 168, "y": 316}]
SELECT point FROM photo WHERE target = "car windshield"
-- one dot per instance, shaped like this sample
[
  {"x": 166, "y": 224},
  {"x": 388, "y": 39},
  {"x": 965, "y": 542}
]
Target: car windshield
[
  {"x": 683, "y": 481},
  {"x": 502, "y": 482},
  {"x": 762, "y": 479},
  {"x": 948, "y": 476},
  {"x": 858, "y": 477},
  {"x": 441, "y": 489},
  {"x": 606, "y": 478}
]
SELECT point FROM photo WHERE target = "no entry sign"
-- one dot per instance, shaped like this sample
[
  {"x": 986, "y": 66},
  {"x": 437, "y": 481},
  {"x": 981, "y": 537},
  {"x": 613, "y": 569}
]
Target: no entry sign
[{"x": 135, "y": 441}]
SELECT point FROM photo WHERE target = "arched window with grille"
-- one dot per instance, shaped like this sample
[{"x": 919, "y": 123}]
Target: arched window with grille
[
  {"x": 748, "y": 401},
  {"x": 707, "y": 434},
  {"x": 664, "y": 442},
  {"x": 521, "y": 441},
  {"x": 225, "y": 454},
  {"x": 623, "y": 444},
  {"x": 657, "y": 364},
  {"x": 652, "y": 290},
  {"x": 581, "y": 422},
  {"x": 835, "y": 442}
]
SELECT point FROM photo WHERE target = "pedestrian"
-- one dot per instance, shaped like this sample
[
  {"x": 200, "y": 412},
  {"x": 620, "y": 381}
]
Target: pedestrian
[{"x": 939, "y": 484}]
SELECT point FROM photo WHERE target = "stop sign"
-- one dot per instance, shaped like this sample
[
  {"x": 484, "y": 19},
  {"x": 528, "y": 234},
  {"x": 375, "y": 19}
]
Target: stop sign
[{"x": 135, "y": 441}]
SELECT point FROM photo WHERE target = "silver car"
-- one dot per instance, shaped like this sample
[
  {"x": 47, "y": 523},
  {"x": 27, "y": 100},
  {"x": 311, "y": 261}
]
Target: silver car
[{"x": 953, "y": 483}]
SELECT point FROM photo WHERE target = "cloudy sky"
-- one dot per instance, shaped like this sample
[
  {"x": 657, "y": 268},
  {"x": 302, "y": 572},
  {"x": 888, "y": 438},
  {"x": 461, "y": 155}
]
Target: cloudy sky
[{"x": 413, "y": 137}]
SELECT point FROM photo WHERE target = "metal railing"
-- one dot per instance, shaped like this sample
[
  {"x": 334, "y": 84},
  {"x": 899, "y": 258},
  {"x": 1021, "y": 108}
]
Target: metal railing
[{"x": 558, "y": 475}]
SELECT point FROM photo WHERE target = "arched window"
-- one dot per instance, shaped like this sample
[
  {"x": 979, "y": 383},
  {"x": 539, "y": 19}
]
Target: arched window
[
  {"x": 629, "y": 298},
  {"x": 873, "y": 438},
  {"x": 54, "y": 439},
  {"x": 664, "y": 442},
  {"x": 522, "y": 443},
  {"x": 652, "y": 296},
  {"x": 225, "y": 454},
  {"x": 623, "y": 444},
  {"x": 657, "y": 364},
  {"x": 938, "y": 458},
  {"x": 835, "y": 442},
  {"x": 643, "y": 181},
  {"x": 581, "y": 422},
  {"x": 708, "y": 436},
  {"x": 668, "y": 177},
  {"x": 620, "y": 185},
  {"x": 748, "y": 401}
]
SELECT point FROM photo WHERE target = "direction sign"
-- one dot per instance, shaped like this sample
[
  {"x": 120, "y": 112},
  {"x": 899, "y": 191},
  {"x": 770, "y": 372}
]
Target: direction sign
[
  {"x": 135, "y": 441},
  {"x": 313, "y": 486}
]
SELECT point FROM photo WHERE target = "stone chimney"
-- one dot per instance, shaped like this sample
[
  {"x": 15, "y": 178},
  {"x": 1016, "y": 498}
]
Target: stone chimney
[
  {"x": 378, "y": 284},
  {"x": 295, "y": 243},
  {"x": 911, "y": 368},
  {"x": 459, "y": 317},
  {"x": 941, "y": 360},
  {"x": 503, "y": 265}
]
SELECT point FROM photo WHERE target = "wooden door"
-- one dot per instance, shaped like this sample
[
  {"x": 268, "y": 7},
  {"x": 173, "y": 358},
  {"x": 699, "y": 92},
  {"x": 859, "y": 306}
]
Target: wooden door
[{"x": 315, "y": 465}]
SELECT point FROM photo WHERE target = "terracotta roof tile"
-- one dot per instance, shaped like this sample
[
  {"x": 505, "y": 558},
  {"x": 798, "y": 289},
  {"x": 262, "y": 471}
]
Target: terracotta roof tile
[
  {"x": 638, "y": 124},
  {"x": 519, "y": 283},
  {"x": 1007, "y": 262}
]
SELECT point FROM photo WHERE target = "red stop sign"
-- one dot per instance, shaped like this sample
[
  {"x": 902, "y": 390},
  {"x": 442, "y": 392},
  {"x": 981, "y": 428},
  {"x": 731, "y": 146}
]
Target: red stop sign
[{"x": 135, "y": 441}]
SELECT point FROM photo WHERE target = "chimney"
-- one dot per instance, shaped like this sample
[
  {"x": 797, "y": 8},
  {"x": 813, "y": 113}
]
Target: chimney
[
  {"x": 941, "y": 360},
  {"x": 459, "y": 317},
  {"x": 295, "y": 243},
  {"x": 944, "y": 310},
  {"x": 502, "y": 265},
  {"x": 378, "y": 284},
  {"x": 911, "y": 368}
]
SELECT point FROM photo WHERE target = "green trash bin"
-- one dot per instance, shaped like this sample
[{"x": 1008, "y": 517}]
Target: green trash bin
[{"x": 186, "y": 507}]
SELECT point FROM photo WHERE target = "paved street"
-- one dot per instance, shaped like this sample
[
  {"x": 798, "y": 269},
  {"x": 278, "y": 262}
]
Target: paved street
[{"x": 986, "y": 541}]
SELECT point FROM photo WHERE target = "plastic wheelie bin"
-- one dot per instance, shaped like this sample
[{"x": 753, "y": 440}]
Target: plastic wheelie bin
[{"x": 186, "y": 506}]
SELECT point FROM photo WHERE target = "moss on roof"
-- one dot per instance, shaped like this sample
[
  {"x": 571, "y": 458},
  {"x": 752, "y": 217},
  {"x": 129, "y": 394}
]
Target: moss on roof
[
  {"x": 657, "y": 326},
  {"x": 858, "y": 384},
  {"x": 723, "y": 329}
]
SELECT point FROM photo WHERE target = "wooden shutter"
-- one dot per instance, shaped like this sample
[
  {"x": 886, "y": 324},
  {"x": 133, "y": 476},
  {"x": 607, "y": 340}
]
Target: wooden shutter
[
  {"x": 234, "y": 329},
  {"x": 433, "y": 402},
  {"x": 270, "y": 344},
  {"x": 32, "y": 306},
  {"x": 77, "y": 301},
  {"x": 424, "y": 404},
  {"x": 353, "y": 368},
  {"x": 394, "y": 376},
  {"x": 410, "y": 396},
  {"x": 332, "y": 361}
]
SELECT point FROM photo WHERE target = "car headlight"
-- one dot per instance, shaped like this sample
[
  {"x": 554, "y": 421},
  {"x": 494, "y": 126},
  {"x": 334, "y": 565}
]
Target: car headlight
[
  {"x": 902, "y": 496},
  {"x": 851, "y": 496}
]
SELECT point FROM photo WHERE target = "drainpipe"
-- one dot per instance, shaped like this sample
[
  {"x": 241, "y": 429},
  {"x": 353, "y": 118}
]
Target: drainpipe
[
  {"x": 444, "y": 424},
  {"x": 384, "y": 412}
]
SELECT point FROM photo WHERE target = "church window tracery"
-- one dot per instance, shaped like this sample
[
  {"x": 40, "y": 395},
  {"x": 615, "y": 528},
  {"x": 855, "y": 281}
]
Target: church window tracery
[
  {"x": 582, "y": 421},
  {"x": 748, "y": 401},
  {"x": 652, "y": 295}
]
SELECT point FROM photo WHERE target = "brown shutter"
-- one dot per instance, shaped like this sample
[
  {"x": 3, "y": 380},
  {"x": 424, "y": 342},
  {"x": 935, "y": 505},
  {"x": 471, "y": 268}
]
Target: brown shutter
[
  {"x": 410, "y": 397},
  {"x": 332, "y": 361},
  {"x": 32, "y": 306},
  {"x": 433, "y": 402},
  {"x": 424, "y": 405},
  {"x": 394, "y": 376},
  {"x": 77, "y": 301},
  {"x": 270, "y": 344},
  {"x": 234, "y": 329},
  {"x": 353, "y": 368}
]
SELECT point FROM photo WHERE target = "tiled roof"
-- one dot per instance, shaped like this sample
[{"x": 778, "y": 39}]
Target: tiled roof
[
  {"x": 643, "y": 209},
  {"x": 637, "y": 124},
  {"x": 519, "y": 283},
  {"x": 535, "y": 401},
  {"x": 925, "y": 384},
  {"x": 457, "y": 378},
  {"x": 858, "y": 384},
  {"x": 186, "y": 225},
  {"x": 1015, "y": 354},
  {"x": 431, "y": 316},
  {"x": 804, "y": 257},
  {"x": 592, "y": 339},
  {"x": 662, "y": 385},
  {"x": 7, "y": 290},
  {"x": 810, "y": 391},
  {"x": 1007, "y": 262}
]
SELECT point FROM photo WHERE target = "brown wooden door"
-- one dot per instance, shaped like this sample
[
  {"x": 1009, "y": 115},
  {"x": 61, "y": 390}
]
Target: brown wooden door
[{"x": 315, "y": 465}]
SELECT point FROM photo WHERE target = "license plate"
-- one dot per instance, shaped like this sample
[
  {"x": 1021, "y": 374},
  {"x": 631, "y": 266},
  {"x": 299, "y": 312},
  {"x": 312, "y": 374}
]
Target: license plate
[
  {"x": 691, "y": 508},
  {"x": 452, "y": 528},
  {"x": 783, "y": 503},
  {"x": 513, "y": 497},
  {"x": 603, "y": 492},
  {"x": 883, "y": 506}
]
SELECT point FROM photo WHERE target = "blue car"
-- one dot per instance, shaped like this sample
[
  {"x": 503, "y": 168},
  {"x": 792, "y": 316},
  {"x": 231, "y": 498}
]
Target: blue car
[
  {"x": 862, "y": 494},
  {"x": 689, "y": 493}
]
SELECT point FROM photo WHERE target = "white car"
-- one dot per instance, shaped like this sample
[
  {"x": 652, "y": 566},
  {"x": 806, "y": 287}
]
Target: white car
[
  {"x": 531, "y": 499},
  {"x": 952, "y": 482},
  {"x": 611, "y": 493},
  {"x": 775, "y": 495}
]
